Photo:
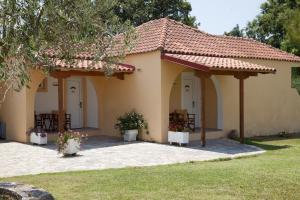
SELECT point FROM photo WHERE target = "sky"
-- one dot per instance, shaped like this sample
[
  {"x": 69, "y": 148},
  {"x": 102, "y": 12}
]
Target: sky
[{"x": 218, "y": 16}]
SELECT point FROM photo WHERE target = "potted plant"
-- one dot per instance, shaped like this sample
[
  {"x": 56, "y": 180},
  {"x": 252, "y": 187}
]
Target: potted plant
[
  {"x": 37, "y": 136},
  {"x": 69, "y": 142},
  {"x": 178, "y": 133},
  {"x": 130, "y": 124}
]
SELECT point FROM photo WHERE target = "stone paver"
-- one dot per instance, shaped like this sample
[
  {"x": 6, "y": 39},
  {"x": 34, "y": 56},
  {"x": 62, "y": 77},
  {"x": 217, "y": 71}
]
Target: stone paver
[{"x": 102, "y": 153}]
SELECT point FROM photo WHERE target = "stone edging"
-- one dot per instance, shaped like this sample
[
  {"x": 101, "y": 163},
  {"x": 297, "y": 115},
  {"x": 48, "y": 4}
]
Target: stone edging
[{"x": 17, "y": 191}]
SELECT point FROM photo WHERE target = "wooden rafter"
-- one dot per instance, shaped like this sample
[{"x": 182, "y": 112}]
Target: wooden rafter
[{"x": 66, "y": 74}]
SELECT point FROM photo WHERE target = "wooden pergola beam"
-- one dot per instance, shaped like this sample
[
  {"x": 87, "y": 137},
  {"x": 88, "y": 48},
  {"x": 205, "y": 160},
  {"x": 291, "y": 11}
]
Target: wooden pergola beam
[
  {"x": 66, "y": 74},
  {"x": 227, "y": 73}
]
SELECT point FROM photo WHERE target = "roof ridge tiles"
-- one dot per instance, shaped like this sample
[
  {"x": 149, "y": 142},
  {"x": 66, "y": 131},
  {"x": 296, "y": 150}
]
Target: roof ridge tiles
[{"x": 164, "y": 33}]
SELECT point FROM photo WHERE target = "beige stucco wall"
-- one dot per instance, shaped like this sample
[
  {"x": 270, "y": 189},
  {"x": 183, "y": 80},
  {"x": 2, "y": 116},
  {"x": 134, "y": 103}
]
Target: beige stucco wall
[
  {"x": 17, "y": 110},
  {"x": 211, "y": 104},
  {"x": 140, "y": 91},
  {"x": 169, "y": 73},
  {"x": 36, "y": 78},
  {"x": 13, "y": 113},
  {"x": 271, "y": 105}
]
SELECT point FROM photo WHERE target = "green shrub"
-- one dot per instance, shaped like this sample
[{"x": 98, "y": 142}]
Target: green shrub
[{"x": 130, "y": 121}]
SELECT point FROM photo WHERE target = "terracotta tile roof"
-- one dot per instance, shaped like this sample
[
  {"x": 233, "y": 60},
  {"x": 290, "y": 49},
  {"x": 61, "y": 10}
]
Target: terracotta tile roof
[
  {"x": 174, "y": 37},
  {"x": 208, "y": 63},
  {"x": 91, "y": 65}
]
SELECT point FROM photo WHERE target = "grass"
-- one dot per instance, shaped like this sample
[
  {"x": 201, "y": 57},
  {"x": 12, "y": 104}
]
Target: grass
[{"x": 273, "y": 175}]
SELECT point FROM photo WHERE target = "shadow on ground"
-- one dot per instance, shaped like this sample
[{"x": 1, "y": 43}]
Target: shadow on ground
[{"x": 257, "y": 141}]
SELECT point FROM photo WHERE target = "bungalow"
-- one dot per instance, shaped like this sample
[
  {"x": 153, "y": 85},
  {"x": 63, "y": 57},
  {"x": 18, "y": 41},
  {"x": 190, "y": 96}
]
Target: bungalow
[{"x": 226, "y": 83}]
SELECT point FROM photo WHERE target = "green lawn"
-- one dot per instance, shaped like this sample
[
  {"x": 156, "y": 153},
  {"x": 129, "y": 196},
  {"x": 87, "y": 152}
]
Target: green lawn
[{"x": 273, "y": 175}]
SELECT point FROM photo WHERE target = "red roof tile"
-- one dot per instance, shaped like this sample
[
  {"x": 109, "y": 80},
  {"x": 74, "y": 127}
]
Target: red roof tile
[
  {"x": 174, "y": 37},
  {"x": 207, "y": 63},
  {"x": 91, "y": 65}
]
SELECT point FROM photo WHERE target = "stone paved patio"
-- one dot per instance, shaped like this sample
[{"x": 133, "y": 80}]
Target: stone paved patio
[{"x": 102, "y": 153}]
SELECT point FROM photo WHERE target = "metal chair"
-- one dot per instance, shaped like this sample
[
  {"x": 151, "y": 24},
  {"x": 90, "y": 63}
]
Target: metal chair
[
  {"x": 38, "y": 123},
  {"x": 54, "y": 121},
  {"x": 191, "y": 119},
  {"x": 67, "y": 121}
]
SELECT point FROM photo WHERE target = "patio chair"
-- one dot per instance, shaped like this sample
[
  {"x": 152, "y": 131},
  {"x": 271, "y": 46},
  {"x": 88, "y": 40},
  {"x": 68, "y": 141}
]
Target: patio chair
[
  {"x": 188, "y": 118},
  {"x": 67, "y": 121},
  {"x": 54, "y": 121},
  {"x": 191, "y": 119},
  {"x": 67, "y": 124},
  {"x": 38, "y": 123}
]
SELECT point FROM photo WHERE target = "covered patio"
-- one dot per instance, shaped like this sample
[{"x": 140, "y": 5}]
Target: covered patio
[
  {"x": 68, "y": 99},
  {"x": 205, "y": 68}
]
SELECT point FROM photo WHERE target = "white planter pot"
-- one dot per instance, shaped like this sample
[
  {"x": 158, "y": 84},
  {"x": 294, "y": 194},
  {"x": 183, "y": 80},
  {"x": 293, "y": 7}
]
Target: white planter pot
[
  {"x": 130, "y": 135},
  {"x": 72, "y": 147},
  {"x": 178, "y": 137},
  {"x": 36, "y": 138}
]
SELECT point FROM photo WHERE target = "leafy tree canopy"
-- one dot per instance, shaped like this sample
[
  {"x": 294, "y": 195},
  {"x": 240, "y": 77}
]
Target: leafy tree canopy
[
  {"x": 293, "y": 30},
  {"x": 29, "y": 27},
  {"x": 141, "y": 11},
  {"x": 277, "y": 25},
  {"x": 236, "y": 31}
]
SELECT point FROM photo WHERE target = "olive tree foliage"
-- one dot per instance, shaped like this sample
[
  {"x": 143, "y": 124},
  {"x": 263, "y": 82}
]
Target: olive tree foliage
[
  {"x": 236, "y": 32},
  {"x": 36, "y": 33},
  {"x": 141, "y": 11},
  {"x": 293, "y": 28}
]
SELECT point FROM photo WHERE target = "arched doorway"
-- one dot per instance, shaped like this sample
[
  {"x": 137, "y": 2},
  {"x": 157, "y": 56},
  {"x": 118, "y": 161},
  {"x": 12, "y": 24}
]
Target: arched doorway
[{"x": 186, "y": 96}]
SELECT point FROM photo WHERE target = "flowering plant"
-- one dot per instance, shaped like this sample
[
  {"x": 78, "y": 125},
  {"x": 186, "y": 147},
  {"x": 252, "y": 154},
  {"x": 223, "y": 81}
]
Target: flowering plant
[
  {"x": 131, "y": 121},
  {"x": 177, "y": 127},
  {"x": 63, "y": 138},
  {"x": 178, "y": 124}
]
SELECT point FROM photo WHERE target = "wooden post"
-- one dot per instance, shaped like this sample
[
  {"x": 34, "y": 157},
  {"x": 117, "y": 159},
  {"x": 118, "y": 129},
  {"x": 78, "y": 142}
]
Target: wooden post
[
  {"x": 241, "y": 78},
  {"x": 203, "y": 126},
  {"x": 242, "y": 136},
  {"x": 61, "y": 105},
  {"x": 203, "y": 77}
]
